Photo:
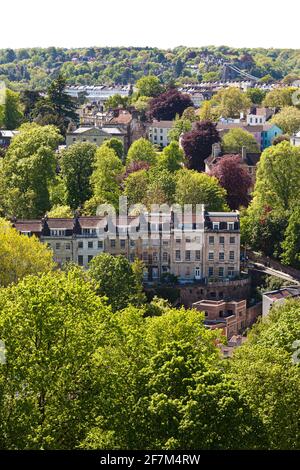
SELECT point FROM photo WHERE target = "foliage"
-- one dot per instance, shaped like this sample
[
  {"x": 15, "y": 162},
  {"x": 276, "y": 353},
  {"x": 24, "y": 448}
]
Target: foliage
[
  {"x": 199, "y": 188},
  {"x": 171, "y": 158},
  {"x": 279, "y": 98},
  {"x": 27, "y": 170},
  {"x": 256, "y": 95},
  {"x": 235, "y": 179},
  {"x": 149, "y": 86},
  {"x": 288, "y": 119},
  {"x": 116, "y": 145},
  {"x": 21, "y": 255},
  {"x": 141, "y": 150},
  {"x": 117, "y": 280},
  {"x": 235, "y": 139},
  {"x": 291, "y": 243},
  {"x": 197, "y": 144},
  {"x": 230, "y": 102},
  {"x": 168, "y": 104},
  {"x": 11, "y": 115},
  {"x": 180, "y": 126},
  {"x": 77, "y": 164},
  {"x": 60, "y": 212}
]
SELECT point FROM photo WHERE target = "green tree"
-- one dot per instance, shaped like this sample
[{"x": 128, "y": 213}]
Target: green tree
[
  {"x": 77, "y": 164},
  {"x": 279, "y": 98},
  {"x": 105, "y": 179},
  {"x": 193, "y": 187},
  {"x": 149, "y": 86},
  {"x": 230, "y": 102},
  {"x": 171, "y": 158},
  {"x": 256, "y": 95},
  {"x": 135, "y": 186},
  {"x": 116, "y": 279},
  {"x": 60, "y": 212},
  {"x": 235, "y": 139},
  {"x": 288, "y": 119},
  {"x": 20, "y": 255},
  {"x": 291, "y": 243},
  {"x": 116, "y": 145},
  {"x": 12, "y": 114},
  {"x": 51, "y": 325},
  {"x": 63, "y": 104},
  {"x": 180, "y": 126},
  {"x": 141, "y": 150},
  {"x": 27, "y": 170}
]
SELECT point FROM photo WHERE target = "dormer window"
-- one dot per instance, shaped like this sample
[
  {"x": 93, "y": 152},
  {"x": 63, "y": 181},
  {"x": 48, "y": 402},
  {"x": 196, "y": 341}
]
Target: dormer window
[
  {"x": 216, "y": 225},
  {"x": 58, "y": 232}
]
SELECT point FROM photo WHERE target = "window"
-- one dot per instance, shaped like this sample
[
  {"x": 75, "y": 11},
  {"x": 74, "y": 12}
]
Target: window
[
  {"x": 80, "y": 245},
  {"x": 231, "y": 226},
  {"x": 68, "y": 259},
  {"x": 113, "y": 243},
  {"x": 57, "y": 246},
  {"x": 155, "y": 256},
  {"x": 100, "y": 243},
  {"x": 221, "y": 271},
  {"x": 221, "y": 240},
  {"x": 230, "y": 271},
  {"x": 145, "y": 256},
  {"x": 188, "y": 255},
  {"x": 177, "y": 255},
  {"x": 197, "y": 255},
  {"x": 122, "y": 243},
  {"x": 131, "y": 257},
  {"x": 215, "y": 225},
  {"x": 68, "y": 246},
  {"x": 165, "y": 243},
  {"x": 90, "y": 257},
  {"x": 211, "y": 240},
  {"x": 221, "y": 256},
  {"x": 57, "y": 232},
  {"x": 211, "y": 255},
  {"x": 178, "y": 240},
  {"x": 90, "y": 245},
  {"x": 187, "y": 271},
  {"x": 231, "y": 255},
  {"x": 232, "y": 240},
  {"x": 165, "y": 257},
  {"x": 210, "y": 271},
  {"x": 80, "y": 260},
  {"x": 132, "y": 243},
  {"x": 188, "y": 240}
]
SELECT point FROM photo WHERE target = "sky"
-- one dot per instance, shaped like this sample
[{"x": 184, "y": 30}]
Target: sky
[{"x": 159, "y": 23}]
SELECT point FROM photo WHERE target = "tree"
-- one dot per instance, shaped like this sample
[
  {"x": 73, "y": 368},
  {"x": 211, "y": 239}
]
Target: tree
[
  {"x": 60, "y": 212},
  {"x": 20, "y": 255},
  {"x": 77, "y": 164},
  {"x": 199, "y": 188},
  {"x": 62, "y": 103},
  {"x": 276, "y": 187},
  {"x": 27, "y": 171},
  {"x": 161, "y": 187},
  {"x": 264, "y": 367},
  {"x": 165, "y": 106},
  {"x": 135, "y": 186},
  {"x": 141, "y": 150},
  {"x": 116, "y": 280},
  {"x": 149, "y": 86},
  {"x": 52, "y": 325},
  {"x": 256, "y": 95},
  {"x": 29, "y": 99},
  {"x": 279, "y": 98},
  {"x": 235, "y": 179},
  {"x": 291, "y": 242},
  {"x": 171, "y": 158},
  {"x": 117, "y": 145},
  {"x": 180, "y": 126},
  {"x": 190, "y": 114},
  {"x": 197, "y": 144},
  {"x": 288, "y": 119},
  {"x": 235, "y": 139},
  {"x": 207, "y": 112},
  {"x": 230, "y": 102},
  {"x": 12, "y": 113},
  {"x": 105, "y": 179},
  {"x": 116, "y": 101}
]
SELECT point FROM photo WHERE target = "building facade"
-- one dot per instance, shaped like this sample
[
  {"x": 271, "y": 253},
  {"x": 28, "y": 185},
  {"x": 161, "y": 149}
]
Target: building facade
[
  {"x": 157, "y": 132},
  {"x": 196, "y": 247},
  {"x": 95, "y": 135}
]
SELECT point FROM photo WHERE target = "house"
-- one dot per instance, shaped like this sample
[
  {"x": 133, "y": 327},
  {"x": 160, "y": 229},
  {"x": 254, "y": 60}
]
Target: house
[
  {"x": 278, "y": 297},
  {"x": 6, "y": 137},
  {"x": 193, "y": 248},
  {"x": 95, "y": 135},
  {"x": 98, "y": 93},
  {"x": 157, "y": 132},
  {"x": 295, "y": 139},
  {"x": 258, "y": 115},
  {"x": 264, "y": 134},
  {"x": 229, "y": 316}
]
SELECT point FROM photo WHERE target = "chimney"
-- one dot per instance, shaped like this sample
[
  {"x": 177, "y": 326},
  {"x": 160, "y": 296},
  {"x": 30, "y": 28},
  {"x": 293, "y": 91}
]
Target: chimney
[
  {"x": 216, "y": 150},
  {"x": 244, "y": 154}
]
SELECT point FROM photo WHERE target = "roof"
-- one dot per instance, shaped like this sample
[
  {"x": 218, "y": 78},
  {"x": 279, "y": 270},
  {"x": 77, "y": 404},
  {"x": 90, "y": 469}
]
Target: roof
[
  {"x": 283, "y": 293},
  {"x": 161, "y": 124},
  {"x": 8, "y": 134}
]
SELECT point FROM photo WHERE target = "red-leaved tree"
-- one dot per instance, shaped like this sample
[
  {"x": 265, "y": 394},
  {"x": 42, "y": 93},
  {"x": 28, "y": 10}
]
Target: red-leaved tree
[
  {"x": 197, "y": 144},
  {"x": 235, "y": 178},
  {"x": 166, "y": 105}
]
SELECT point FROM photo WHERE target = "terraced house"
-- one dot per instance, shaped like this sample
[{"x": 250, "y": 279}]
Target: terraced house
[{"x": 192, "y": 247}]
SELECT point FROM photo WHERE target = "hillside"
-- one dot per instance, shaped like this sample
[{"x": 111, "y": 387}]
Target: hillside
[{"x": 35, "y": 68}]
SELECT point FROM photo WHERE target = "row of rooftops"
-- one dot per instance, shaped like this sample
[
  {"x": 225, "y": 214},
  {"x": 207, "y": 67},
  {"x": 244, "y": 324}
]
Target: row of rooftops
[{"x": 215, "y": 221}]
